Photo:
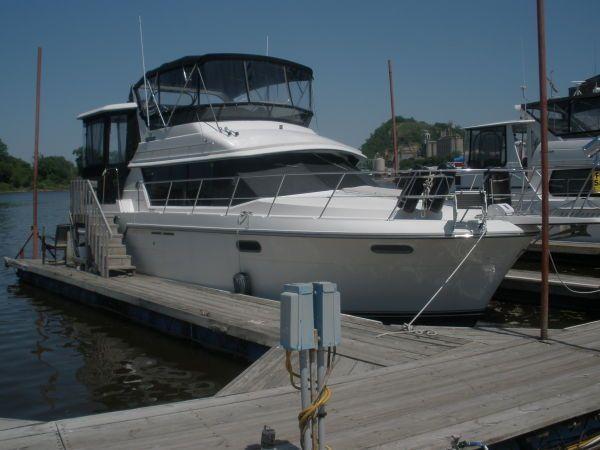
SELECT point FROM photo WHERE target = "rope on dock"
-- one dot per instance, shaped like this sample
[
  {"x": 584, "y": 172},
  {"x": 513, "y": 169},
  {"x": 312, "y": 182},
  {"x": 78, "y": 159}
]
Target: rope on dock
[{"x": 566, "y": 286}]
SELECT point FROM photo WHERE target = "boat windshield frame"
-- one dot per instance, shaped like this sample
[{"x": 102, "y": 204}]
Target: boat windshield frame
[{"x": 225, "y": 87}]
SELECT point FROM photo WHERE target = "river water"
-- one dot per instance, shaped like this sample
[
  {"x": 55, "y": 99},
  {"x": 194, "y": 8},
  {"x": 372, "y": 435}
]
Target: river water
[{"x": 61, "y": 359}]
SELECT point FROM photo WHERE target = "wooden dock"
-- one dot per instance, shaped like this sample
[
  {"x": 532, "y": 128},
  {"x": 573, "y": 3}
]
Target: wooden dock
[
  {"x": 570, "y": 248},
  {"x": 400, "y": 390},
  {"x": 580, "y": 292}
]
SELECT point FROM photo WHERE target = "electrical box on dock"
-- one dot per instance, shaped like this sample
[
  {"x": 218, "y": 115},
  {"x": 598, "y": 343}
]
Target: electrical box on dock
[
  {"x": 327, "y": 313},
  {"x": 296, "y": 317}
]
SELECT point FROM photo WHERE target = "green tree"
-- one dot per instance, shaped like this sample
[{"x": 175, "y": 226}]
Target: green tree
[
  {"x": 3, "y": 150},
  {"x": 55, "y": 172},
  {"x": 55, "y": 169},
  {"x": 409, "y": 132}
]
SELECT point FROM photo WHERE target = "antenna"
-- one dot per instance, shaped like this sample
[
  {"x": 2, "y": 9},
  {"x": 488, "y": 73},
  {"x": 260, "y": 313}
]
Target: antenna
[
  {"x": 524, "y": 85},
  {"x": 267, "y": 45},
  {"x": 595, "y": 70},
  {"x": 144, "y": 72},
  {"x": 553, "y": 88}
]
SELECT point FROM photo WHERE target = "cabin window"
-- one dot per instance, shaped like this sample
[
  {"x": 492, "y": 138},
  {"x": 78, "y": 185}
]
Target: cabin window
[
  {"x": 571, "y": 182},
  {"x": 213, "y": 183},
  {"x": 585, "y": 115},
  {"x": 266, "y": 83},
  {"x": 223, "y": 82},
  {"x": 572, "y": 116},
  {"x": 118, "y": 140},
  {"x": 94, "y": 144},
  {"x": 487, "y": 147},
  {"x": 300, "y": 89}
]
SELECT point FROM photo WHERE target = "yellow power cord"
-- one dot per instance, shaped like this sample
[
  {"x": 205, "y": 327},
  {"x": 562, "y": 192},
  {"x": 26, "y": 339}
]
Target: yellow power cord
[
  {"x": 288, "y": 366},
  {"x": 584, "y": 444},
  {"x": 306, "y": 415}
]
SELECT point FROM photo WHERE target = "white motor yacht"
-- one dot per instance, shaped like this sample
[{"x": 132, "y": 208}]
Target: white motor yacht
[
  {"x": 214, "y": 177},
  {"x": 514, "y": 145}
]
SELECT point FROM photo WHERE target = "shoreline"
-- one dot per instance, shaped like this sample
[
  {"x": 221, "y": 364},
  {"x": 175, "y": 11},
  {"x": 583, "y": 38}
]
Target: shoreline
[{"x": 66, "y": 189}]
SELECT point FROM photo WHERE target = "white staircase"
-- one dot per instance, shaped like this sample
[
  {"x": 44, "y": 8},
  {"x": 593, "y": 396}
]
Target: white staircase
[{"x": 106, "y": 253}]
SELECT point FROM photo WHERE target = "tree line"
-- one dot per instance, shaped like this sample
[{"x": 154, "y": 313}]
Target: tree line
[
  {"x": 410, "y": 132},
  {"x": 54, "y": 172}
]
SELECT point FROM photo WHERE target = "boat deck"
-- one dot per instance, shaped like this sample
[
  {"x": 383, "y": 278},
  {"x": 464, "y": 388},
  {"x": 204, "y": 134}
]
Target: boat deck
[{"x": 401, "y": 390}]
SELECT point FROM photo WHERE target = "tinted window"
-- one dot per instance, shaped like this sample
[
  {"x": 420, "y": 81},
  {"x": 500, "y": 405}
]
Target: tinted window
[
  {"x": 118, "y": 139},
  {"x": 570, "y": 182},
  {"x": 487, "y": 147},
  {"x": 258, "y": 177},
  {"x": 94, "y": 143},
  {"x": 585, "y": 115}
]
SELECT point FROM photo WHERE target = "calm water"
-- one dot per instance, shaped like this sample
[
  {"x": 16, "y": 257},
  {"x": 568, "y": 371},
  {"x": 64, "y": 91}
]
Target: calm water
[{"x": 61, "y": 359}]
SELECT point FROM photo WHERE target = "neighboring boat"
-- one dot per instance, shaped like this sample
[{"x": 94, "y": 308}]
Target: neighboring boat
[
  {"x": 574, "y": 189},
  {"x": 230, "y": 188}
]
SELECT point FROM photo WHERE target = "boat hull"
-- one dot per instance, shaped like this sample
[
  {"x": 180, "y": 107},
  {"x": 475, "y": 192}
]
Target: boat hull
[{"x": 384, "y": 277}]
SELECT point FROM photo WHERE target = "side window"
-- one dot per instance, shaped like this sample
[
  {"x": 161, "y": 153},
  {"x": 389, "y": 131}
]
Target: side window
[
  {"x": 487, "y": 147},
  {"x": 571, "y": 182},
  {"x": 94, "y": 143},
  {"x": 585, "y": 115},
  {"x": 118, "y": 140}
]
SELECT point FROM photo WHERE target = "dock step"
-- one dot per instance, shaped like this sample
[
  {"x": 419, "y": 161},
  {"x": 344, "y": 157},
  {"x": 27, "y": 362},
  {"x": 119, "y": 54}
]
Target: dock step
[
  {"x": 128, "y": 269},
  {"x": 118, "y": 260},
  {"x": 116, "y": 249}
]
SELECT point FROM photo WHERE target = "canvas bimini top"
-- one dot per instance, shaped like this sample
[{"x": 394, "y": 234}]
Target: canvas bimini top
[{"x": 223, "y": 87}]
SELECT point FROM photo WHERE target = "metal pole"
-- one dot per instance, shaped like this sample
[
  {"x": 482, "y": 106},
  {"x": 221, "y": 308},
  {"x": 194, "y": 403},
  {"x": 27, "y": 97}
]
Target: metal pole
[
  {"x": 320, "y": 383},
  {"x": 305, "y": 395},
  {"x": 313, "y": 393},
  {"x": 544, "y": 138},
  {"x": 394, "y": 137},
  {"x": 34, "y": 228}
]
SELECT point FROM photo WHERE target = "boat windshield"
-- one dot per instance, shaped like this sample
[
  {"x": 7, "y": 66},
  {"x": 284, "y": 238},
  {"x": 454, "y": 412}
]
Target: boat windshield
[
  {"x": 225, "y": 87},
  {"x": 571, "y": 116}
]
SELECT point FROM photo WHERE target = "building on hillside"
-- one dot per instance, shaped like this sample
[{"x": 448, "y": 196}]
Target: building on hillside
[
  {"x": 408, "y": 151},
  {"x": 430, "y": 149},
  {"x": 448, "y": 143}
]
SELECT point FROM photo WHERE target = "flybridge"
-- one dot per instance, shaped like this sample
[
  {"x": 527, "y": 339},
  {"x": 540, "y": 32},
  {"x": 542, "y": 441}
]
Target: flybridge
[
  {"x": 224, "y": 87},
  {"x": 575, "y": 116}
]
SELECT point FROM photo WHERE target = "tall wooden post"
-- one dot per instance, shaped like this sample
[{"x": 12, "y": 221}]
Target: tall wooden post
[
  {"x": 544, "y": 147},
  {"x": 34, "y": 228},
  {"x": 394, "y": 137}
]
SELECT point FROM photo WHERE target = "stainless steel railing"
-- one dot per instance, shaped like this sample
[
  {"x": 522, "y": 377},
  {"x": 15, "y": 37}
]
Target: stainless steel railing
[{"x": 422, "y": 190}]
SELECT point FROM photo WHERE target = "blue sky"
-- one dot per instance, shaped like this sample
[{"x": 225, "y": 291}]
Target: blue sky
[{"x": 453, "y": 60}]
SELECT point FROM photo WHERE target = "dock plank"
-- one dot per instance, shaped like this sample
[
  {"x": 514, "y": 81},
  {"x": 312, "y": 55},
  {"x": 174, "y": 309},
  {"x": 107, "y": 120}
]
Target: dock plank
[
  {"x": 391, "y": 388},
  {"x": 581, "y": 287},
  {"x": 488, "y": 396}
]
